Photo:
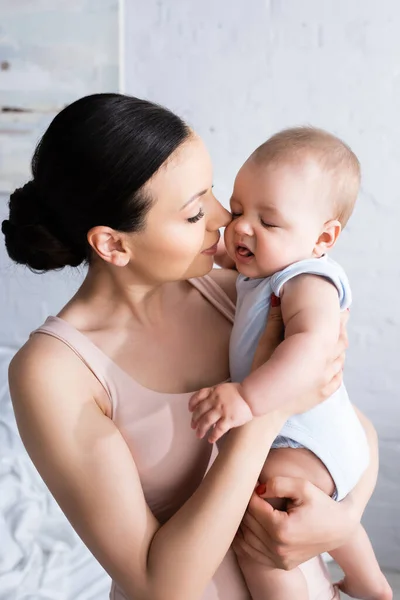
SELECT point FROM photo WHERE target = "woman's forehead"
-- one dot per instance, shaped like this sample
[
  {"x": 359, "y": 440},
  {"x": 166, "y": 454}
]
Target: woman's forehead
[{"x": 186, "y": 173}]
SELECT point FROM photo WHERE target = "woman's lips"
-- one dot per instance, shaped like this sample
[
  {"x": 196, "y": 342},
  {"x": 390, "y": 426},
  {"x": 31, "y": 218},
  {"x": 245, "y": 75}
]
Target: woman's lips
[{"x": 212, "y": 250}]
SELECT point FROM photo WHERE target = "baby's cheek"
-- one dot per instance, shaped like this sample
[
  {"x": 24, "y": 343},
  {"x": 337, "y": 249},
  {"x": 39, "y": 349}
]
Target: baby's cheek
[
  {"x": 228, "y": 233},
  {"x": 228, "y": 239}
]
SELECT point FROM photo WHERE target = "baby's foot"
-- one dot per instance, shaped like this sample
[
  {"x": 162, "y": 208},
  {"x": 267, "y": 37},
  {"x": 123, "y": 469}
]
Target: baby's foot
[{"x": 379, "y": 590}]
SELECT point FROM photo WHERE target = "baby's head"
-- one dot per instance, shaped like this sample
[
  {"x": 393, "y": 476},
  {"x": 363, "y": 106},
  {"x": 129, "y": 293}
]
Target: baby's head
[{"x": 291, "y": 200}]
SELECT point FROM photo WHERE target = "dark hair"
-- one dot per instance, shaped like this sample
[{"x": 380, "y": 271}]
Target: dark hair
[{"x": 89, "y": 169}]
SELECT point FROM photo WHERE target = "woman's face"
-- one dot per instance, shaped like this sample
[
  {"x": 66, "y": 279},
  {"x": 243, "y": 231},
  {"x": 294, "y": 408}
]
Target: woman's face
[{"x": 181, "y": 230}]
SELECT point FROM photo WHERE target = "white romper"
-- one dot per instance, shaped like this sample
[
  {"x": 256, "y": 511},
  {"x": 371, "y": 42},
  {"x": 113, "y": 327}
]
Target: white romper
[{"x": 332, "y": 430}]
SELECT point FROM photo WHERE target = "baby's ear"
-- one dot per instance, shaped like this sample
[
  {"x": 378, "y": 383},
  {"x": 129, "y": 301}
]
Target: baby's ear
[{"x": 327, "y": 238}]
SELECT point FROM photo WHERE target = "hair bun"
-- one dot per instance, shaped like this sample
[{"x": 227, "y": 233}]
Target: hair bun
[
  {"x": 7, "y": 228},
  {"x": 30, "y": 235}
]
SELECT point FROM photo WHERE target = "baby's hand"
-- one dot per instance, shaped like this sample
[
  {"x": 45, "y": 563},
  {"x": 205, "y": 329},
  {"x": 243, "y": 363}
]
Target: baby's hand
[{"x": 220, "y": 408}]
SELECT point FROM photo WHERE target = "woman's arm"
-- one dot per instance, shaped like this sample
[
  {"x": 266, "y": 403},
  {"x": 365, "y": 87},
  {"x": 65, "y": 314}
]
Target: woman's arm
[
  {"x": 314, "y": 523},
  {"x": 89, "y": 469}
]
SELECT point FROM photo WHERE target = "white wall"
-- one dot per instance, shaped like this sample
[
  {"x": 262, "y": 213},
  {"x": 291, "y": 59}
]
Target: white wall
[
  {"x": 239, "y": 71},
  {"x": 50, "y": 54}
]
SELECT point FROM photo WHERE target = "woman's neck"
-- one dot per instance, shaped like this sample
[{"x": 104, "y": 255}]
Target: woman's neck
[{"x": 115, "y": 295}]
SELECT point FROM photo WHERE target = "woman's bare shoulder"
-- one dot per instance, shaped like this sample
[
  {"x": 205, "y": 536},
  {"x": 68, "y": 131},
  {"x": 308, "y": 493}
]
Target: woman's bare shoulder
[
  {"x": 83, "y": 459},
  {"x": 44, "y": 364},
  {"x": 226, "y": 279}
]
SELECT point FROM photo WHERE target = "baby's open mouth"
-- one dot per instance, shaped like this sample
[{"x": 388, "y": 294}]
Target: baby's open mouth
[{"x": 243, "y": 251}]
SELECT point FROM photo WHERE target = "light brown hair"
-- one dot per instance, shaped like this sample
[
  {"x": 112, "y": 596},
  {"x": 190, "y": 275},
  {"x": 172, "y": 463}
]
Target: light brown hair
[{"x": 333, "y": 156}]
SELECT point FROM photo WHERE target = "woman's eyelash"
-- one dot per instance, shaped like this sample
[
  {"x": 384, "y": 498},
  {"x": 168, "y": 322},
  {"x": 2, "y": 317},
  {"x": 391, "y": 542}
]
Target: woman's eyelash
[
  {"x": 235, "y": 215},
  {"x": 197, "y": 217}
]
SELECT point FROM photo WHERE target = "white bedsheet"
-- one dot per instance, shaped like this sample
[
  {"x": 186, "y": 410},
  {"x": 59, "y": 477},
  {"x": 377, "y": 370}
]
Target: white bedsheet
[{"x": 41, "y": 557}]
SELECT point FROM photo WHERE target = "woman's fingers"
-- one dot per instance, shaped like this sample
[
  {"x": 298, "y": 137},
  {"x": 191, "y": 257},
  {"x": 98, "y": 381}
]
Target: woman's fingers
[
  {"x": 274, "y": 327},
  {"x": 252, "y": 524},
  {"x": 251, "y": 539},
  {"x": 272, "y": 524},
  {"x": 344, "y": 319},
  {"x": 342, "y": 345},
  {"x": 343, "y": 338},
  {"x": 341, "y": 358},
  {"x": 275, "y": 522},
  {"x": 272, "y": 336},
  {"x": 242, "y": 548},
  {"x": 343, "y": 341},
  {"x": 267, "y": 532},
  {"x": 333, "y": 385},
  {"x": 304, "y": 530},
  {"x": 336, "y": 367},
  {"x": 293, "y": 488},
  {"x": 334, "y": 371}
]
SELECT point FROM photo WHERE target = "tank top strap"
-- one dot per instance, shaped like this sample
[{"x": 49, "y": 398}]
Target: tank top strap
[
  {"x": 97, "y": 362},
  {"x": 104, "y": 368},
  {"x": 215, "y": 295}
]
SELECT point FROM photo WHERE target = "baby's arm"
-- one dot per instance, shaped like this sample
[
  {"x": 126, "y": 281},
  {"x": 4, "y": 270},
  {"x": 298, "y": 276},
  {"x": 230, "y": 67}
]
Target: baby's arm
[{"x": 311, "y": 315}]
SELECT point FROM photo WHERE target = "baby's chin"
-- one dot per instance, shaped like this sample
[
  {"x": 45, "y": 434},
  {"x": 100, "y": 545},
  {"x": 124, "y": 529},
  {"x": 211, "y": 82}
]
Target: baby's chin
[{"x": 253, "y": 270}]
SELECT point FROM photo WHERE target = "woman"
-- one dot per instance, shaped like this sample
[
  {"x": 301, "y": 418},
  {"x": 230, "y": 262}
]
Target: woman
[{"x": 100, "y": 392}]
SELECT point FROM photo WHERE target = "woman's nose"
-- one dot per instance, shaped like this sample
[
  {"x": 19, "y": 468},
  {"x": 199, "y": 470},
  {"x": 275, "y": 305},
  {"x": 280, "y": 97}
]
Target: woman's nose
[{"x": 220, "y": 217}]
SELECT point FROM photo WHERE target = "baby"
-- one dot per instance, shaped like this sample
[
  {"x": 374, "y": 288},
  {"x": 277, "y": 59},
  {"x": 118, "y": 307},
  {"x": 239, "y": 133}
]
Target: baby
[{"x": 290, "y": 201}]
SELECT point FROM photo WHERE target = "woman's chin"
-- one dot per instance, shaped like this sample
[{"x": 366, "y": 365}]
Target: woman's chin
[{"x": 200, "y": 267}]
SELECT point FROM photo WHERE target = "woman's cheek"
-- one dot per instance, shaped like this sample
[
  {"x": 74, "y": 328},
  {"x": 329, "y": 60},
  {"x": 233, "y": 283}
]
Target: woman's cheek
[{"x": 186, "y": 241}]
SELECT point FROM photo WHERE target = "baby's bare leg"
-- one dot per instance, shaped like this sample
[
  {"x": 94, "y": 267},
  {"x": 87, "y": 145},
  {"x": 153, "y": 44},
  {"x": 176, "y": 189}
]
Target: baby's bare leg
[
  {"x": 270, "y": 583},
  {"x": 298, "y": 462},
  {"x": 363, "y": 577}
]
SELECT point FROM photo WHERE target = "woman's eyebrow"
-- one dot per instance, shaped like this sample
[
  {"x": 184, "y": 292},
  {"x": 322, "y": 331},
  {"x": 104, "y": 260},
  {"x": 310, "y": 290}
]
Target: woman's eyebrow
[{"x": 193, "y": 198}]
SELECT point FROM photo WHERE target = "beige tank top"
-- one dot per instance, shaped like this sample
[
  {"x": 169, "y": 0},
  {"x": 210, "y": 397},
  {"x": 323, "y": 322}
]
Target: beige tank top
[{"x": 170, "y": 460}]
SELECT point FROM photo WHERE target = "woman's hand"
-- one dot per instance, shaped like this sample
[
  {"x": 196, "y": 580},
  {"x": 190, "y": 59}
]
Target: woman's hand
[
  {"x": 333, "y": 375},
  {"x": 313, "y": 523}
]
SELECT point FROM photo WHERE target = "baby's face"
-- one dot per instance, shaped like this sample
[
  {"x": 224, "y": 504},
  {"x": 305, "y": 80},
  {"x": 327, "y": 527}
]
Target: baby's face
[{"x": 278, "y": 215}]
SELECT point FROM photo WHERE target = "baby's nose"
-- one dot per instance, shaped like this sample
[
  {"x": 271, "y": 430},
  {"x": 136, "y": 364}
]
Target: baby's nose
[{"x": 243, "y": 226}]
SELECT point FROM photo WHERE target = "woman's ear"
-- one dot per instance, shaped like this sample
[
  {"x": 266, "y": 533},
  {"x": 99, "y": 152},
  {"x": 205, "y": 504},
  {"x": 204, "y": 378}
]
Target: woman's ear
[
  {"x": 110, "y": 245},
  {"x": 327, "y": 238}
]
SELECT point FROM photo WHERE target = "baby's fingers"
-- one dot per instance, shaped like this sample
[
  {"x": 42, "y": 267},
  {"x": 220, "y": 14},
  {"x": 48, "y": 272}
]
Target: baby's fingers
[
  {"x": 206, "y": 422},
  {"x": 201, "y": 409},
  {"x": 218, "y": 431},
  {"x": 198, "y": 397}
]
